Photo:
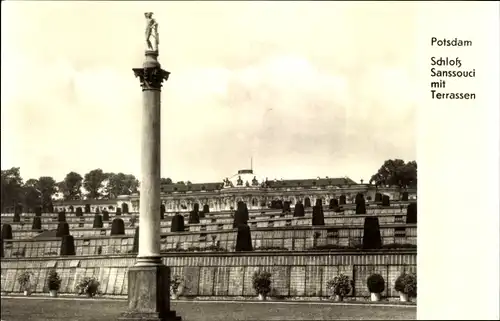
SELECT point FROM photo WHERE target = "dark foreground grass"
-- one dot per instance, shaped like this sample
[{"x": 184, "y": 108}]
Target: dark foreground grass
[{"x": 20, "y": 309}]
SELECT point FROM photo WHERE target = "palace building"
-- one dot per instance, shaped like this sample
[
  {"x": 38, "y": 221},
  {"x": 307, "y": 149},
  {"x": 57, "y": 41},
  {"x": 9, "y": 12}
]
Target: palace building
[{"x": 243, "y": 186}]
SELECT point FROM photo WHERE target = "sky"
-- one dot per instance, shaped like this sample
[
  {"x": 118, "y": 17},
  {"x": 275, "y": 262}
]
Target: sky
[{"x": 306, "y": 89}]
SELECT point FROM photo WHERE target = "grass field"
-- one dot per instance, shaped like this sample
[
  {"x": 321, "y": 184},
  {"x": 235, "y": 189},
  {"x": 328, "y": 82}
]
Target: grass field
[{"x": 59, "y": 309}]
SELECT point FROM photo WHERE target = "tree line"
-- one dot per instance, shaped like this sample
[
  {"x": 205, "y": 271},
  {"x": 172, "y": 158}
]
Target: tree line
[
  {"x": 97, "y": 184},
  {"x": 396, "y": 172},
  {"x": 32, "y": 193}
]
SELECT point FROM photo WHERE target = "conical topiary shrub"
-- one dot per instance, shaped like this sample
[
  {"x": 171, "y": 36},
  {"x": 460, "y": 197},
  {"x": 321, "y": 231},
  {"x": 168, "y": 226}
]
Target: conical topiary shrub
[
  {"x": 105, "y": 216},
  {"x": 206, "y": 209},
  {"x": 241, "y": 215},
  {"x": 6, "y": 232},
  {"x": 97, "y": 221},
  {"x": 286, "y": 207},
  {"x": 318, "y": 217},
  {"x": 378, "y": 197},
  {"x": 411, "y": 213},
  {"x": 307, "y": 202},
  {"x": 17, "y": 215},
  {"x": 386, "y": 201},
  {"x": 162, "y": 211},
  {"x": 194, "y": 215},
  {"x": 342, "y": 200},
  {"x": 298, "y": 211},
  {"x": 118, "y": 211},
  {"x": 124, "y": 208},
  {"x": 61, "y": 217},
  {"x": 371, "y": 234},
  {"x": 37, "y": 223},
  {"x": 135, "y": 246},
  {"x": 51, "y": 208},
  {"x": 243, "y": 239},
  {"x": 87, "y": 208},
  {"x": 334, "y": 203},
  {"x": 360, "y": 204},
  {"x": 62, "y": 229},
  {"x": 177, "y": 224},
  {"x": 18, "y": 210},
  {"x": 67, "y": 245},
  {"x": 1, "y": 248},
  {"x": 404, "y": 197},
  {"x": 38, "y": 211},
  {"x": 117, "y": 227},
  {"x": 97, "y": 210},
  {"x": 79, "y": 212},
  {"x": 359, "y": 198}
]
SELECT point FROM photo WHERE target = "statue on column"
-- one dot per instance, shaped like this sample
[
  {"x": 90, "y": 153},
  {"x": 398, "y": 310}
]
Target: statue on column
[{"x": 151, "y": 30}]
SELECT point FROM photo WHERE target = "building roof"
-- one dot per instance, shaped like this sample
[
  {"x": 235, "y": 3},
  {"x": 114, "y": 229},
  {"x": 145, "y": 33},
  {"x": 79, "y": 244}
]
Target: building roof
[
  {"x": 165, "y": 188},
  {"x": 90, "y": 202}
]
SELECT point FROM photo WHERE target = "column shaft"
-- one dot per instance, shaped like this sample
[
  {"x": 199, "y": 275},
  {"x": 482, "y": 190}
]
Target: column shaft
[{"x": 149, "y": 222}]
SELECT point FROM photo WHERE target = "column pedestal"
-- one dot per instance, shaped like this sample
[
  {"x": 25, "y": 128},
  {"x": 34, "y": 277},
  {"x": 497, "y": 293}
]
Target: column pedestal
[{"x": 149, "y": 292}]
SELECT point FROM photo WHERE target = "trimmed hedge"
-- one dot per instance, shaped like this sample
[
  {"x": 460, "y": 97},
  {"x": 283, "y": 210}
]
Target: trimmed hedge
[
  {"x": 243, "y": 239},
  {"x": 177, "y": 224},
  {"x": 37, "y": 223},
  {"x": 6, "y": 232},
  {"x": 334, "y": 203},
  {"x": 194, "y": 215},
  {"x": 67, "y": 245},
  {"x": 241, "y": 215},
  {"x": 162, "y": 211},
  {"x": 117, "y": 227},
  {"x": 411, "y": 214},
  {"x": 286, "y": 207},
  {"x": 61, "y": 217},
  {"x": 299, "y": 210},
  {"x": 360, "y": 204},
  {"x": 371, "y": 234},
  {"x": 318, "y": 217},
  {"x": 386, "y": 201},
  {"x": 105, "y": 216},
  {"x": 62, "y": 229},
  {"x": 135, "y": 246},
  {"x": 97, "y": 221}
]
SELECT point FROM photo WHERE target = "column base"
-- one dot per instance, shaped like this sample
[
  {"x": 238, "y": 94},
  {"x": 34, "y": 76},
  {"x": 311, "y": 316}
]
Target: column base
[{"x": 149, "y": 292}]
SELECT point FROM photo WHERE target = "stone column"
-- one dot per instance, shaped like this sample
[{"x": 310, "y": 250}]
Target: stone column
[{"x": 149, "y": 279}]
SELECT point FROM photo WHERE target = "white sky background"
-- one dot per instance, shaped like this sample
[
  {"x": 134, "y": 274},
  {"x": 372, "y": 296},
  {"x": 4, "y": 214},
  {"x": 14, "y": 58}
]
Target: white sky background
[{"x": 308, "y": 89}]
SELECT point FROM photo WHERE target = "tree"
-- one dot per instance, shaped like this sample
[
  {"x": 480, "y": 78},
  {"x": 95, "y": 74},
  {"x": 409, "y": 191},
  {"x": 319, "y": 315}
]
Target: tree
[
  {"x": 166, "y": 181},
  {"x": 396, "y": 172},
  {"x": 12, "y": 187},
  {"x": 93, "y": 182},
  {"x": 70, "y": 186},
  {"x": 47, "y": 187},
  {"x": 32, "y": 195},
  {"x": 121, "y": 184}
]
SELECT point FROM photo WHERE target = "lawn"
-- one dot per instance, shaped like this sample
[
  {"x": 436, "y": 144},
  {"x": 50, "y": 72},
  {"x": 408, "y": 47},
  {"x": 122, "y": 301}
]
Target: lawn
[{"x": 38, "y": 309}]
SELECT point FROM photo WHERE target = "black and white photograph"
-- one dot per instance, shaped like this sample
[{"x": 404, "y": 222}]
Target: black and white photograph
[{"x": 211, "y": 160}]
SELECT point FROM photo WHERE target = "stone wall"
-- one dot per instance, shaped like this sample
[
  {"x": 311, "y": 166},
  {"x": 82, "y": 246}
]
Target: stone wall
[{"x": 298, "y": 274}]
